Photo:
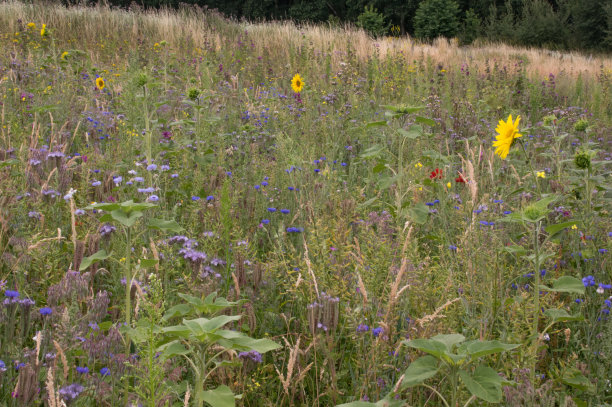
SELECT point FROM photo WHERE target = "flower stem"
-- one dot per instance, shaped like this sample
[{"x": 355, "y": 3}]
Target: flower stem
[{"x": 533, "y": 173}]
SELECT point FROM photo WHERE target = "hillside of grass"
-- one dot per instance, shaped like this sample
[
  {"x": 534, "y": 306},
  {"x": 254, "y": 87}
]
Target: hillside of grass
[{"x": 198, "y": 211}]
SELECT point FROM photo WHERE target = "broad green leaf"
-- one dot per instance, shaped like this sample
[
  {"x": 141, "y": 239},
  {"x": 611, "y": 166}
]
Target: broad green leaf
[
  {"x": 434, "y": 156},
  {"x": 98, "y": 256},
  {"x": 173, "y": 348},
  {"x": 126, "y": 219},
  {"x": 372, "y": 152},
  {"x": 430, "y": 346},
  {"x": 239, "y": 341},
  {"x": 425, "y": 120},
  {"x": 177, "y": 331},
  {"x": 204, "y": 325},
  {"x": 412, "y": 133},
  {"x": 485, "y": 383},
  {"x": 222, "y": 396},
  {"x": 554, "y": 229},
  {"x": 146, "y": 263},
  {"x": 561, "y": 315},
  {"x": 376, "y": 124},
  {"x": 8, "y": 163},
  {"x": 566, "y": 284},
  {"x": 575, "y": 379},
  {"x": 379, "y": 167},
  {"x": 515, "y": 249},
  {"x": 449, "y": 340},
  {"x": 386, "y": 402},
  {"x": 418, "y": 213},
  {"x": 478, "y": 349},
  {"x": 178, "y": 310},
  {"x": 165, "y": 225},
  {"x": 420, "y": 370}
]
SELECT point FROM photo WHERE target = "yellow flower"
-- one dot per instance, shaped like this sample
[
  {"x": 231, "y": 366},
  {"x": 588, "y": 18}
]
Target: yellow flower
[
  {"x": 418, "y": 165},
  {"x": 574, "y": 227},
  {"x": 64, "y": 55},
  {"x": 32, "y": 26},
  {"x": 43, "y": 30},
  {"x": 448, "y": 185},
  {"x": 297, "y": 84},
  {"x": 100, "y": 83},
  {"x": 506, "y": 133},
  {"x": 541, "y": 174}
]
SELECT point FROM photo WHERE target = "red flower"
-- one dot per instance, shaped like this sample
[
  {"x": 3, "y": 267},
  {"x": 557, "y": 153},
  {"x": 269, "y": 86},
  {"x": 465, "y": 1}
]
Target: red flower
[
  {"x": 436, "y": 174},
  {"x": 460, "y": 179}
]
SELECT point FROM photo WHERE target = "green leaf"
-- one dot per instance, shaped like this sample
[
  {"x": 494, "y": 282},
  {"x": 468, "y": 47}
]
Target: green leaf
[
  {"x": 420, "y": 370},
  {"x": 222, "y": 396},
  {"x": 165, "y": 225},
  {"x": 515, "y": 249},
  {"x": 8, "y": 163},
  {"x": 425, "y": 120},
  {"x": 179, "y": 310},
  {"x": 554, "y": 229},
  {"x": 485, "y": 383},
  {"x": 566, "y": 284},
  {"x": 201, "y": 326},
  {"x": 372, "y": 152},
  {"x": 449, "y": 340},
  {"x": 379, "y": 167},
  {"x": 413, "y": 133},
  {"x": 388, "y": 401},
  {"x": 146, "y": 263},
  {"x": 126, "y": 219},
  {"x": 418, "y": 213},
  {"x": 174, "y": 348},
  {"x": 239, "y": 341},
  {"x": 98, "y": 256},
  {"x": 435, "y": 348},
  {"x": 376, "y": 124},
  {"x": 561, "y": 315},
  {"x": 575, "y": 379},
  {"x": 478, "y": 349}
]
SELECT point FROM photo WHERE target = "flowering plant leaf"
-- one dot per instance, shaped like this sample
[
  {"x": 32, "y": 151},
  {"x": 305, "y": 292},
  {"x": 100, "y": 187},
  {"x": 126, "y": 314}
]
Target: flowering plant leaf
[
  {"x": 561, "y": 315},
  {"x": 566, "y": 284},
  {"x": 484, "y": 383},
  {"x": 165, "y": 225},
  {"x": 420, "y": 370},
  {"x": 99, "y": 255},
  {"x": 222, "y": 396}
]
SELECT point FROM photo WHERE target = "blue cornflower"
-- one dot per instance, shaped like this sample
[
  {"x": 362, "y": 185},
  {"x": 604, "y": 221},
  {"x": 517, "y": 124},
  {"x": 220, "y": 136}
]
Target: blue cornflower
[
  {"x": 257, "y": 187},
  {"x": 363, "y": 328},
  {"x": 195, "y": 198},
  {"x": 264, "y": 183},
  {"x": 151, "y": 167},
  {"x": 153, "y": 198},
  {"x": 82, "y": 369},
  {"x": 11, "y": 294},
  {"x": 376, "y": 331},
  {"x": 210, "y": 198},
  {"x": 45, "y": 311},
  {"x": 317, "y": 170},
  {"x": 272, "y": 210},
  {"x": 452, "y": 247},
  {"x": 265, "y": 221},
  {"x": 285, "y": 211},
  {"x": 588, "y": 281},
  {"x": 105, "y": 371},
  {"x": 603, "y": 251}
]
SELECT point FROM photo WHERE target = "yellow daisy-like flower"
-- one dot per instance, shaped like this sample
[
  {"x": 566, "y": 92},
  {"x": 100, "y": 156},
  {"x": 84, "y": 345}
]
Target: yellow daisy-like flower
[
  {"x": 31, "y": 26},
  {"x": 43, "y": 30},
  {"x": 507, "y": 132},
  {"x": 541, "y": 174},
  {"x": 100, "y": 83},
  {"x": 64, "y": 55},
  {"x": 297, "y": 84}
]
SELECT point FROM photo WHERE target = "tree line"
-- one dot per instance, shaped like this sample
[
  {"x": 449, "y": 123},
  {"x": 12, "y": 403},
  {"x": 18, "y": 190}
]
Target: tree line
[{"x": 554, "y": 24}]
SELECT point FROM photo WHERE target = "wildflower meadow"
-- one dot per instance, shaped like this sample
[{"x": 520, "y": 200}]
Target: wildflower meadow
[{"x": 199, "y": 211}]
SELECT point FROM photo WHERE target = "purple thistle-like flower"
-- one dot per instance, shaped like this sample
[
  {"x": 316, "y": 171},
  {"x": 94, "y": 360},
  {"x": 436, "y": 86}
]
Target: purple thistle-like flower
[
  {"x": 251, "y": 355},
  {"x": 71, "y": 391},
  {"x": 106, "y": 229}
]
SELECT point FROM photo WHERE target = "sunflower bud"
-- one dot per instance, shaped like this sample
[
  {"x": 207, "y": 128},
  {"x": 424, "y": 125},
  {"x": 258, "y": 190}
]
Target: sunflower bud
[
  {"x": 581, "y": 125},
  {"x": 142, "y": 79},
  {"x": 582, "y": 160},
  {"x": 193, "y": 93}
]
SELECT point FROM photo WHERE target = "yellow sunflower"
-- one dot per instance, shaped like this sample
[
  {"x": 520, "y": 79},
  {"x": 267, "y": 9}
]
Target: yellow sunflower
[
  {"x": 506, "y": 133},
  {"x": 297, "y": 84},
  {"x": 100, "y": 83}
]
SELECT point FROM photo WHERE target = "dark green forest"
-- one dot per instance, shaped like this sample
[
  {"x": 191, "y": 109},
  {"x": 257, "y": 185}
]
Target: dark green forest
[{"x": 554, "y": 24}]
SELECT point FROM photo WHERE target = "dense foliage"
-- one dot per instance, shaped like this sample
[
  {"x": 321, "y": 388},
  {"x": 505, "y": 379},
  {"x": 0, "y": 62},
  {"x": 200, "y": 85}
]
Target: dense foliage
[
  {"x": 556, "y": 24},
  {"x": 200, "y": 212}
]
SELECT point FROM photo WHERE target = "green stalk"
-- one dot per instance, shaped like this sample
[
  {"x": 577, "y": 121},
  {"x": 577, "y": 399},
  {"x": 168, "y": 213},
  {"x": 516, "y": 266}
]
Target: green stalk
[
  {"x": 147, "y": 135},
  {"x": 536, "y": 299},
  {"x": 533, "y": 173},
  {"x": 128, "y": 310}
]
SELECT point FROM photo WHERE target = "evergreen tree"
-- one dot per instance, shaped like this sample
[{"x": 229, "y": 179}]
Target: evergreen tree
[{"x": 436, "y": 18}]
